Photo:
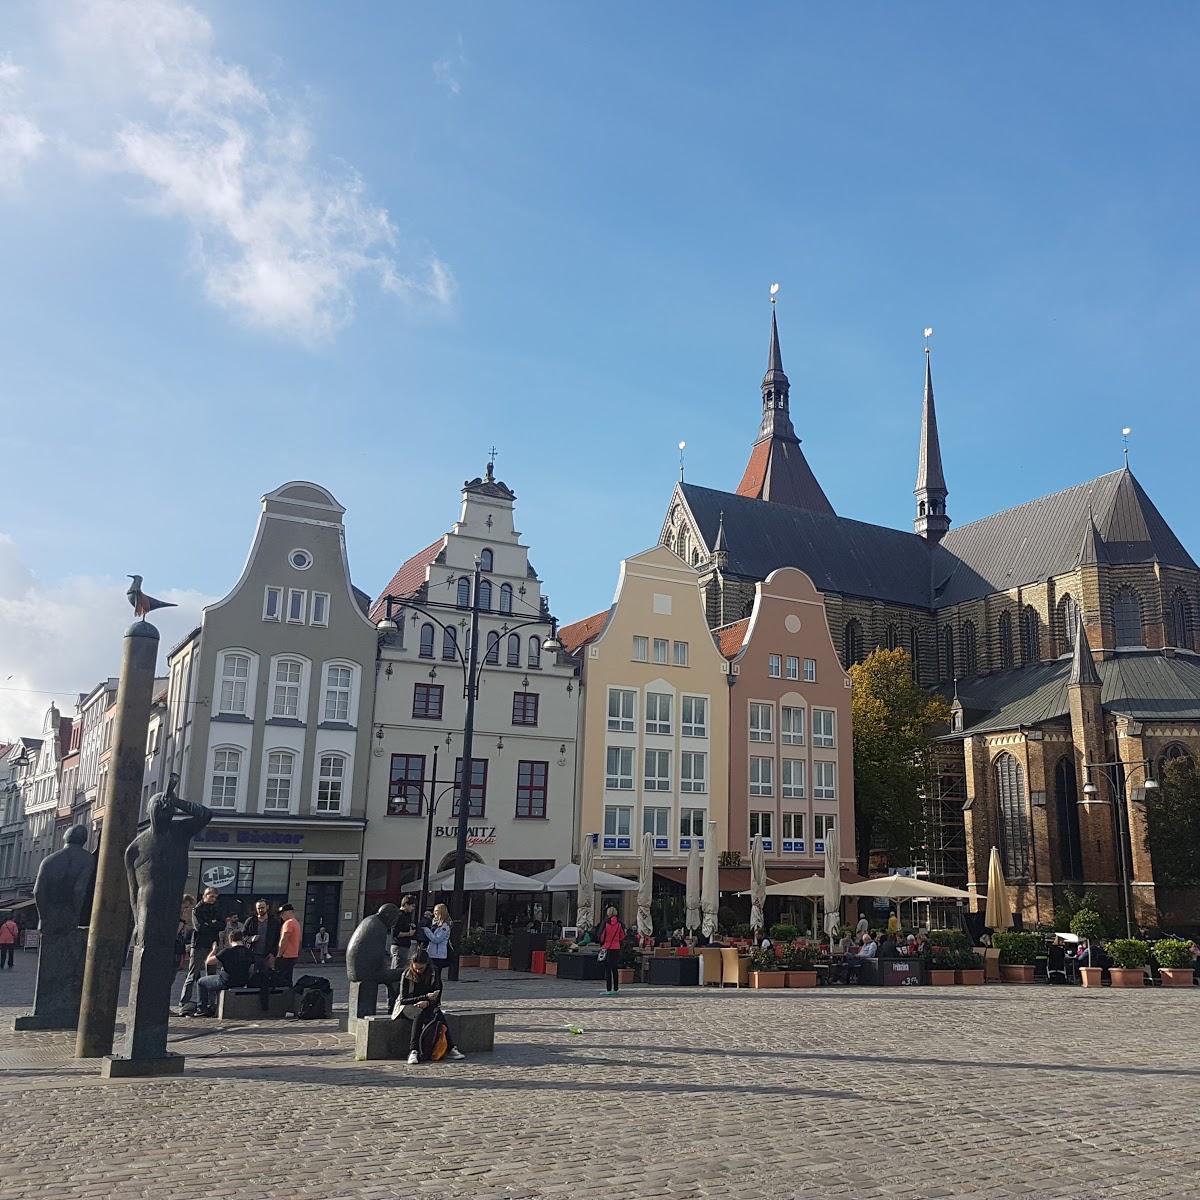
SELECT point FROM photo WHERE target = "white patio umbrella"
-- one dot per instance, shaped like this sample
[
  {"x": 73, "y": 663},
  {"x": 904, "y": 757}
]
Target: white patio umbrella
[
  {"x": 586, "y": 894},
  {"x": 811, "y": 886},
  {"x": 645, "y": 922},
  {"x": 479, "y": 877},
  {"x": 710, "y": 889},
  {"x": 831, "y": 892},
  {"x": 758, "y": 883},
  {"x": 903, "y": 887},
  {"x": 692, "y": 917},
  {"x": 566, "y": 879}
]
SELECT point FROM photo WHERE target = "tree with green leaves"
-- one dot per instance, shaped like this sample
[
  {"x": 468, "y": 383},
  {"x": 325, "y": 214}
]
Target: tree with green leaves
[
  {"x": 1173, "y": 825},
  {"x": 895, "y": 723}
]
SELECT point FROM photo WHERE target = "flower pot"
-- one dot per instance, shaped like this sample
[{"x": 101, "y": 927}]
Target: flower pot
[
  {"x": 1016, "y": 973},
  {"x": 487, "y": 961},
  {"x": 468, "y": 960},
  {"x": 624, "y": 974},
  {"x": 552, "y": 968},
  {"x": 503, "y": 964},
  {"x": 1131, "y": 977},
  {"x": 1091, "y": 976},
  {"x": 768, "y": 979},
  {"x": 801, "y": 979},
  {"x": 939, "y": 977},
  {"x": 970, "y": 976},
  {"x": 1176, "y": 976}
]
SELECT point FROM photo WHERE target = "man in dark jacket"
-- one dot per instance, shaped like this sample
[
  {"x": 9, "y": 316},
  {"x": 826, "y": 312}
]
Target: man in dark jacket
[
  {"x": 261, "y": 936},
  {"x": 204, "y": 935},
  {"x": 232, "y": 965},
  {"x": 403, "y": 932}
]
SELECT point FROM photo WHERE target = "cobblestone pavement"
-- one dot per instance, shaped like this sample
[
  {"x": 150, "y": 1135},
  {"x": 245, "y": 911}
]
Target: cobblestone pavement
[{"x": 957, "y": 1092}]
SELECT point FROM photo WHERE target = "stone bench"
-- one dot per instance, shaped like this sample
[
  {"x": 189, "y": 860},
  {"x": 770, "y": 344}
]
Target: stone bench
[
  {"x": 244, "y": 1004},
  {"x": 473, "y": 1032}
]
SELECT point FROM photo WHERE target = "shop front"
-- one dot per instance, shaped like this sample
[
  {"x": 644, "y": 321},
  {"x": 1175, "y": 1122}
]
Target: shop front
[{"x": 310, "y": 862}]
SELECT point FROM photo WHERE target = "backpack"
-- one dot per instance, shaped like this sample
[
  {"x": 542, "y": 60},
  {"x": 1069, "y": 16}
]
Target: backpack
[
  {"x": 312, "y": 1005},
  {"x": 316, "y": 983},
  {"x": 434, "y": 1038}
]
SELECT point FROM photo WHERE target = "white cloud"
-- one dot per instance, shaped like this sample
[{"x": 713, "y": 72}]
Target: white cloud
[
  {"x": 20, "y": 138},
  {"x": 443, "y": 72},
  {"x": 278, "y": 239},
  {"x": 67, "y": 634}
]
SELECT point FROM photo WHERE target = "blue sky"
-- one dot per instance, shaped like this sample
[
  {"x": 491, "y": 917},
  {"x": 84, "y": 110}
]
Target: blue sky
[{"x": 361, "y": 244}]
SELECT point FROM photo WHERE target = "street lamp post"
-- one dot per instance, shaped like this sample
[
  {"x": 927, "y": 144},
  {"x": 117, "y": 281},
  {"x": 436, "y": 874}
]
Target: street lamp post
[{"x": 1116, "y": 773}]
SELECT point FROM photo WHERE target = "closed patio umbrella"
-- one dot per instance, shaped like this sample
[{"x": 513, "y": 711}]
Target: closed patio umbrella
[
  {"x": 996, "y": 914},
  {"x": 710, "y": 889},
  {"x": 831, "y": 893},
  {"x": 692, "y": 917},
  {"x": 645, "y": 922},
  {"x": 585, "y": 899},
  {"x": 758, "y": 883}
]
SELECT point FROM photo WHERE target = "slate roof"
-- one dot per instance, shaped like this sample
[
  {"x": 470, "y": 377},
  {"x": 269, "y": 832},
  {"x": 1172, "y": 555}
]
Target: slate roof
[
  {"x": 1018, "y": 546},
  {"x": 1144, "y": 685}
]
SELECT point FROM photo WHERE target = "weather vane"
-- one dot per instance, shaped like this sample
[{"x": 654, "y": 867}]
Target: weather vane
[
  {"x": 682, "y": 448},
  {"x": 928, "y": 335},
  {"x": 774, "y": 293},
  {"x": 1125, "y": 432},
  {"x": 492, "y": 455}
]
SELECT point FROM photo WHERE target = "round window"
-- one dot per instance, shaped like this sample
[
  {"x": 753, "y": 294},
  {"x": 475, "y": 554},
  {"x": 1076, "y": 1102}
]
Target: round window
[{"x": 300, "y": 559}]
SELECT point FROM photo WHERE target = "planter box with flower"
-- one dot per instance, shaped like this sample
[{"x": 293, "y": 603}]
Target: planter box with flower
[
  {"x": 553, "y": 950},
  {"x": 1129, "y": 956},
  {"x": 968, "y": 968},
  {"x": 1018, "y": 952},
  {"x": 1087, "y": 923},
  {"x": 764, "y": 970},
  {"x": 942, "y": 963},
  {"x": 800, "y": 960},
  {"x": 1176, "y": 963}
]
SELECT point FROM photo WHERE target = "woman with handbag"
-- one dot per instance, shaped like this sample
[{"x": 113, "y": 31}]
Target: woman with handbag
[{"x": 611, "y": 937}]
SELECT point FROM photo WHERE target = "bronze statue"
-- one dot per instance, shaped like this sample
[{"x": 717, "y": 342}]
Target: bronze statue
[
  {"x": 367, "y": 960},
  {"x": 157, "y": 864}
]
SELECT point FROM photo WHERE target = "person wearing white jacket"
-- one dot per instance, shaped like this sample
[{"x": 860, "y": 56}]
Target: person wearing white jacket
[{"x": 437, "y": 937}]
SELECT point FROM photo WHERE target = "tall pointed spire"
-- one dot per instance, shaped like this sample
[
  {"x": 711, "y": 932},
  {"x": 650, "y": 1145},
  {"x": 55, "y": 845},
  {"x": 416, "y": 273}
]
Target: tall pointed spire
[
  {"x": 776, "y": 419},
  {"x": 1092, "y": 551},
  {"x": 720, "y": 550},
  {"x": 931, "y": 521},
  {"x": 1083, "y": 666}
]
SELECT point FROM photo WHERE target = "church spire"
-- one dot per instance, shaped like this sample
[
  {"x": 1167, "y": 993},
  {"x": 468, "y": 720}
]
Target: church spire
[
  {"x": 1083, "y": 666},
  {"x": 931, "y": 521},
  {"x": 776, "y": 420}
]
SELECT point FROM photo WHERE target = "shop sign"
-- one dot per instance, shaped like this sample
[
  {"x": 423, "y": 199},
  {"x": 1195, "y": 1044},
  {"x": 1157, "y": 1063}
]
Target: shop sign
[
  {"x": 219, "y": 877},
  {"x": 477, "y": 835},
  {"x": 249, "y": 837}
]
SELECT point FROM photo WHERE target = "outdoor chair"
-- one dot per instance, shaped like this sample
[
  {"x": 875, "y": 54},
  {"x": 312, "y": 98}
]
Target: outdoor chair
[
  {"x": 734, "y": 968},
  {"x": 710, "y": 965},
  {"x": 1056, "y": 964}
]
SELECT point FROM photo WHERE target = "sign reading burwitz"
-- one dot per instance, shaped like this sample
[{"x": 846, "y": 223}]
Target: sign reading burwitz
[{"x": 477, "y": 835}]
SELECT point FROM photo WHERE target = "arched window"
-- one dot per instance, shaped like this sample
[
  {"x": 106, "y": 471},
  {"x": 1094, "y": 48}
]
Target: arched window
[
  {"x": 852, "y": 644},
  {"x": 514, "y": 650},
  {"x": 493, "y": 648},
  {"x": 1066, "y": 798},
  {"x": 970, "y": 645},
  {"x": 948, "y": 653},
  {"x": 914, "y": 652},
  {"x": 277, "y": 795},
  {"x": 535, "y": 654},
  {"x": 893, "y": 637},
  {"x": 1031, "y": 640},
  {"x": 1005, "y": 638},
  {"x": 450, "y": 642},
  {"x": 339, "y": 693},
  {"x": 427, "y": 640},
  {"x": 1066, "y": 621},
  {"x": 223, "y": 784},
  {"x": 485, "y": 595},
  {"x": 1010, "y": 807},
  {"x": 235, "y": 674},
  {"x": 1181, "y": 620},
  {"x": 331, "y": 779},
  {"x": 1127, "y": 617},
  {"x": 285, "y": 692},
  {"x": 464, "y": 592},
  {"x": 506, "y": 597},
  {"x": 1174, "y": 753},
  {"x": 485, "y": 559}
]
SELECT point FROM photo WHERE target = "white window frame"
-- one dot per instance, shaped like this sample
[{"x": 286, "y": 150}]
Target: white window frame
[
  {"x": 320, "y": 777},
  {"x": 301, "y": 609},
  {"x": 271, "y": 593},
  {"x": 323, "y": 619},
  {"x": 823, "y": 825},
  {"x": 791, "y": 667},
  {"x": 765, "y": 817},
  {"x": 616, "y": 810},
  {"x": 618, "y": 769},
  {"x": 654, "y": 816},
  {"x": 279, "y": 685},
  {"x": 680, "y": 650},
  {"x": 691, "y": 780},
  {"x": 762, "y": 775},
  {"x": 656, "y": 773},
  {"x": 823, "y": 739},
  {"x": 687, "y": 822},
  {"x": 810, "y": 670},
  {"x": 641, "y": 648},
  {"x": 622, "y": 722},
  {"x": 656, "y": 725},
  {"x": 661, "y": 651},
  {"x": 791, "y": 736},
  {"x": 270, "y": 776},
  {"x": 225, "y": 774},
  {"x": 351, "y": 717},
  {"x": 824, "y": 779},
  {"x": 693, "y": 728},
  {"x": 793, "y": 788},
  {"x": 761, "y": 731},
  {"x": 246, "y": 682},
  {"x": 792, "y": 820},
  {"x": 775, "y": 666}
]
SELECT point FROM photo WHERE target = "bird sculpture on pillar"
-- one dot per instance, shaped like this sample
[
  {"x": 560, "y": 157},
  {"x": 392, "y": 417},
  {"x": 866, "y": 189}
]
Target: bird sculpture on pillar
[{"x": 143, "y": 604}]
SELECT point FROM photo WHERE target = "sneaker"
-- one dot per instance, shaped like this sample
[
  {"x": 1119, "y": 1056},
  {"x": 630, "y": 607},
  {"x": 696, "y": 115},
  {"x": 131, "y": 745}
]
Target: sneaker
[
  {"x": 413, "y": 1058},
  {"x": 455, "y": 1053}
]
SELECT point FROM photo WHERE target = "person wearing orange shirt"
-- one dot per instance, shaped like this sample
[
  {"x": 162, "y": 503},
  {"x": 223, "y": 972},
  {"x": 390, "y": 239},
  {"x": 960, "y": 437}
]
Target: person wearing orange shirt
[
  {"x": 289, "y": 946},
  {"x": 9, "y": 933}
]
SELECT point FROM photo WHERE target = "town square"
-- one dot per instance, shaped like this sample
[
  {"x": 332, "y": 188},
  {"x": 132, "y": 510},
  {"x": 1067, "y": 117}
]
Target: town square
[{"x": 598, "y": 602}]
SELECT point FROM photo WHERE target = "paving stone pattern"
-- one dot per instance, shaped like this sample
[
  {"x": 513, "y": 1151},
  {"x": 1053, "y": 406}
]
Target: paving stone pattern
[{"x": 677, "y": 1093}]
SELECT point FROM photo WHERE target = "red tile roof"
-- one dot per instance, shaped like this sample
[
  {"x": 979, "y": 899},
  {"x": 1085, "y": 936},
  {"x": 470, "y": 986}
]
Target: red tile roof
[
  {"x": 730, "y": 637},
  {"x": 580, "y": 633},
  {"x": 410, "y": 576}
]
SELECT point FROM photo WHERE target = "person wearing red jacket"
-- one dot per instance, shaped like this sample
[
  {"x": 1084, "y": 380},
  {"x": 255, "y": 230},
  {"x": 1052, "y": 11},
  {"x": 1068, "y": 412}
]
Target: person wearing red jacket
[{"x": 611, "y": 937}]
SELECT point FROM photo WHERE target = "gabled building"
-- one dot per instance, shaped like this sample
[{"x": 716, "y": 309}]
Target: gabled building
[
  {"x": 41, "y": 791},
  {"x": 17, "y": 768}
]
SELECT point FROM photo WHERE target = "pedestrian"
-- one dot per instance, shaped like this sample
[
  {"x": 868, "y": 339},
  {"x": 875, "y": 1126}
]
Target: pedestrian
[
  {"x": 261, "y": 936},
  {"x": 10, "y": 931},
  {"x": 862, "y": 927},
  {"x": 403, "y": 932},
  {"x": 321, "y": 941},
  {"x": 232, "y": 969},
  {"x": 611, "y": 938},
  {"x": 437, "y": 938},
  {"x": 183, "y": 933},
  {"x": 205, "y": 933},
  {"x": 420, "y": 1000},
  {"x": 289, "y": 945}
]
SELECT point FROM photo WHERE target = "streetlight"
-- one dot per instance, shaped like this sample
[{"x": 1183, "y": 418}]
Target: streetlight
[
  {"x": 472, "y": 668},
  {"x": 1117, "y": 775}
]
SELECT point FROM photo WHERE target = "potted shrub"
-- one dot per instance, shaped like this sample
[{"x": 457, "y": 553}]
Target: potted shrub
[
  {"x": 942, "y": 963},
  {"x": 1018, "y": 952},
  {"x": 503, "y": 950},
  {"x": 469, "y": 957},
  {"x": 1087, "y": 923},
  {"x": 968, "y": 967},
  {"x": 783, "y": 933},
  {"x": 1129, "y": 957},
  {"x": 799, "y": 962},
  {"x": 764, "y": 970},
  {"x": 1175, "y": 961},
  {"x": 553, "y": 950}
]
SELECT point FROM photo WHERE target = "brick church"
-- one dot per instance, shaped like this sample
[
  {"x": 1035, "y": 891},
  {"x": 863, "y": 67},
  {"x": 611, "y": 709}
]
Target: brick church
[{"x": 1064, "y": 631}]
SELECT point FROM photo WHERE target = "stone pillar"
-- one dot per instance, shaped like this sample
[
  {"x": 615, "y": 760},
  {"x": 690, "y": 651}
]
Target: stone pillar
[
  {"x": 1131, "y": 750},
  {"x": 111, "y": 919},
  {"x": 1095, "y": 811}
]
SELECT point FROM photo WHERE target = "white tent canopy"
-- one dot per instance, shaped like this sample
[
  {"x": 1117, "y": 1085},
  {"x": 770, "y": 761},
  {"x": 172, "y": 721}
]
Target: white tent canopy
[
  {"x": 903, "y": 887},
  {"x": 479, "y": 877},
  {"x": 566, "y": 879}
]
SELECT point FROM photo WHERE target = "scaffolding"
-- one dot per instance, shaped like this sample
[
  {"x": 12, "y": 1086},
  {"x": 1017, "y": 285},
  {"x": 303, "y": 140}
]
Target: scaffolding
[{"x": 945, "y": 835}]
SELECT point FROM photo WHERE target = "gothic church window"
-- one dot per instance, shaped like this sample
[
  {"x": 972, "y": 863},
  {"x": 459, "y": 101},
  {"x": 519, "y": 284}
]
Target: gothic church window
[
  {"x": 1181, "y": 620},
  {"x": 852, "y": 644},
  {"x": 893, "y": 637},
  {"x": 948, "y": 653},
  {"x": 970, "y": 649},
  {"x": 1005, "y": 638},
  {"x": 1010, "y": 808},
  {"x": 1066, "y": 798},
  {"x": 1066, "y": 620},
  {"x": 914, "y": 652},
  {"x": 1127, "y": 617},
  {"x": 1173, "y": 753},
  {"x": 1031, "y": 649}
]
